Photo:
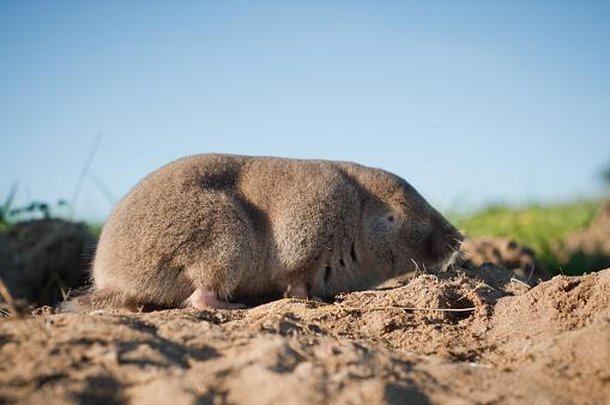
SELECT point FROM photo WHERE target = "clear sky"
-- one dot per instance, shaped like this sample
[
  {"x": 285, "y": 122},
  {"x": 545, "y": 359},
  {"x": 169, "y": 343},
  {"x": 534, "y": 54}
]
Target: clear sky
[{"x": 473, "y": 102}]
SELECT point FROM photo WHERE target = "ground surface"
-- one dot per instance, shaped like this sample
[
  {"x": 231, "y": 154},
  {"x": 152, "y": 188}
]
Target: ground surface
[{"x": 507, "y": 343}]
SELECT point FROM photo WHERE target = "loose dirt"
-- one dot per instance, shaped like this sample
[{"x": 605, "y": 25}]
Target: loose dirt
[
  {"x": 460, "y": 337},
  {"x": 505, "y": 253},
  {"x": 40, "y": 260}
]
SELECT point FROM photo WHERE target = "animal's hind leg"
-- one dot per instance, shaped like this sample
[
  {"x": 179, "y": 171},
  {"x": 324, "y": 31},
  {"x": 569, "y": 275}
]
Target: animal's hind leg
[
  {"x": 216, "y": 277},
  {"x": 219, "y": 263}
]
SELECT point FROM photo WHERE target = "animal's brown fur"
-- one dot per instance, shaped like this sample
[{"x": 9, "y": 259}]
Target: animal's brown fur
[{"x": 244, "y": 227}]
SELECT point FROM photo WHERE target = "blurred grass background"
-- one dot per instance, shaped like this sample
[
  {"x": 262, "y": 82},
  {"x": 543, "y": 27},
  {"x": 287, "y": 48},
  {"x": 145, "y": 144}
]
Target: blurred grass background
[{"x": 540, "y": 227}]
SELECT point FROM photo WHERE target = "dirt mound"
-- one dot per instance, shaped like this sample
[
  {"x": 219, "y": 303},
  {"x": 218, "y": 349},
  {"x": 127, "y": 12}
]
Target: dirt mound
[
  {"x": 460, "y": 337},
  {"x": 588, "y": 249},
  {"x": 505, "y": 253},
  {"x": 40, "y": 259}
]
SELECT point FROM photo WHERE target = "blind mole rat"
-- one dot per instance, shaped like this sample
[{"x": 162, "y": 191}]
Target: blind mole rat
[{"x": 211, "y": 228}]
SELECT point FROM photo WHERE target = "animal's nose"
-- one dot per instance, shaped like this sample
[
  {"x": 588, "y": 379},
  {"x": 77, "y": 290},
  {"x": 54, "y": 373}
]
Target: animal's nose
[{"x": 442, "y": 242}]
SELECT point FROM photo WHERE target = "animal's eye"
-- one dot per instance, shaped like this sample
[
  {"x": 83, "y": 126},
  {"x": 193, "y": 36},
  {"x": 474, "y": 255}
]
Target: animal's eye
[{"x": 391, "y": 218}]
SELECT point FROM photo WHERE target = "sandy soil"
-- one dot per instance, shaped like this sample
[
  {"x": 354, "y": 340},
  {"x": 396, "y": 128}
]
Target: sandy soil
[{"x": 504, "y": 342}]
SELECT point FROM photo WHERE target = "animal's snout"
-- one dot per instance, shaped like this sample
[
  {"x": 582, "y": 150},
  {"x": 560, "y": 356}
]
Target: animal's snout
[{"x": 443, "y": 241}]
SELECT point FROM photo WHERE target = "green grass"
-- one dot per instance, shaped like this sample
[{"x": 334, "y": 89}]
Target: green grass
[
  {"x": 94, "y": 228},
  {"x": 538, "y": 227}
]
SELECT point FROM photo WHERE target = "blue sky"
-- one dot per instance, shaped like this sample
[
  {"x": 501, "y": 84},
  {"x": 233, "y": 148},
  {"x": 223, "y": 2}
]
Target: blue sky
[{"x": 473, "y": 102}]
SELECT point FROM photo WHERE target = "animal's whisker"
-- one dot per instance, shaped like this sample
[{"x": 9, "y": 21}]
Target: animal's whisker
[
  {"x": 416, "y": 266},
  {"x": 451, "y": 260}
]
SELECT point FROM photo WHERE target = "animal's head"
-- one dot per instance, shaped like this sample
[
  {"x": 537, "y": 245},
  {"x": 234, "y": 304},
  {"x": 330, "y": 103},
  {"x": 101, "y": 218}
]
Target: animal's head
[{"x": 403, "y": 231}]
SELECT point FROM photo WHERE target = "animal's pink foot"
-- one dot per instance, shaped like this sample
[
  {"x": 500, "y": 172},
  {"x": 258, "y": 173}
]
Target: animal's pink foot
[{"x": 203, "y": 299}]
